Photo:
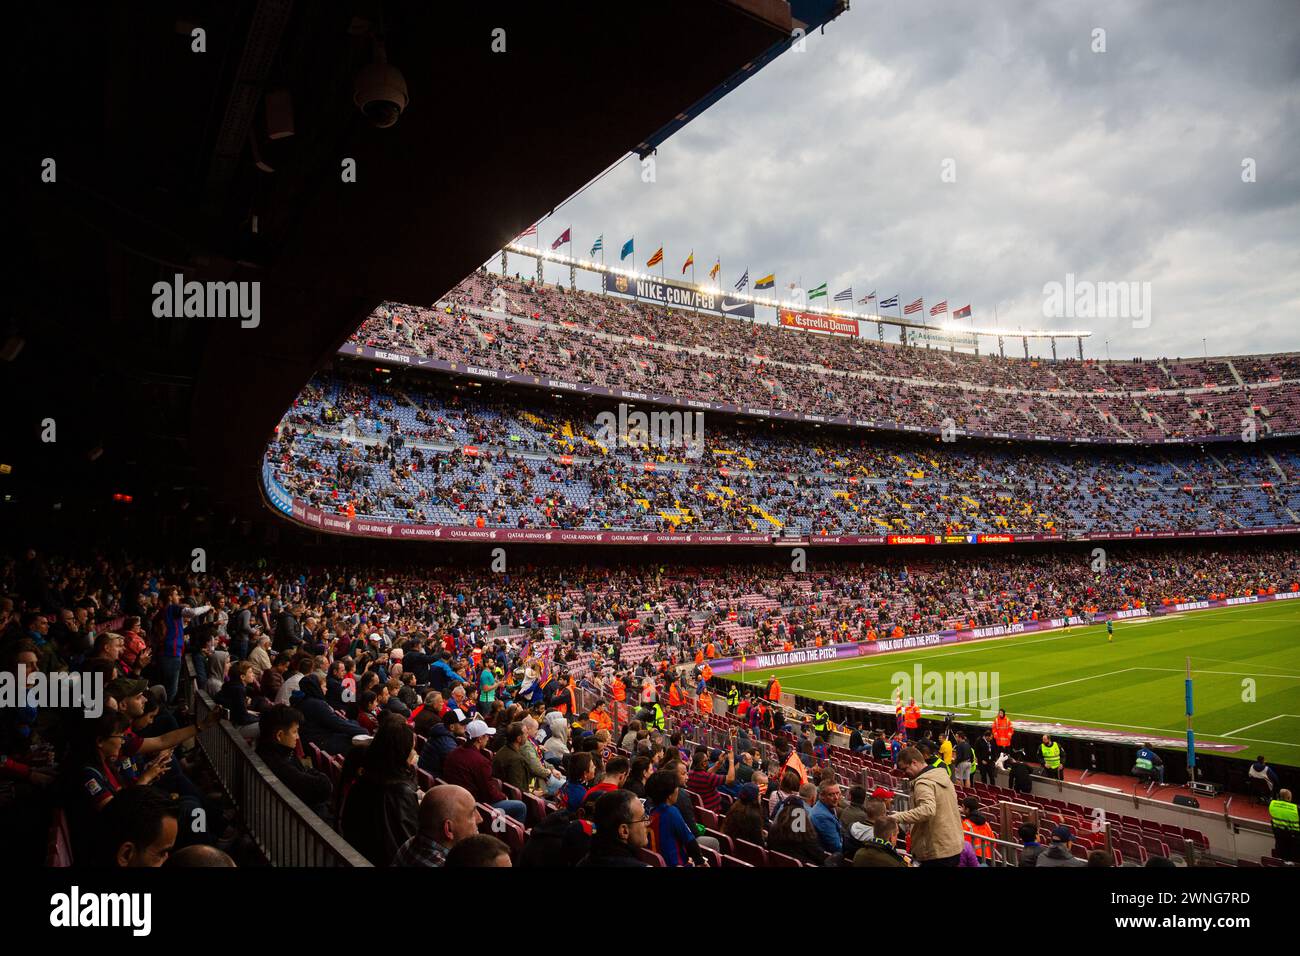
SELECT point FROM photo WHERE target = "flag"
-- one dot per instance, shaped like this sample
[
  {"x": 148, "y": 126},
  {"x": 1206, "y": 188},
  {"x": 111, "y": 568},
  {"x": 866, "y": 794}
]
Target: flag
[
  {"x": 890, "y": 303},
  {"x": 819, "y": 292},
  {"x": 867, "y": 298},
  {"x": 598, "y": 245},
  {"x": 564, "y": 237},
  {"x": 742, "y": 282},
  {"x": 844, "y": 295},
  {"x": 530, "y": 231},
  {"x": 657, "y": 258},
  {"x": 713, "y": 273},
  {"x": 913, "y": 307},
  {"x": 690, "y": 261},
  {"x": 627, "y": 250},
  {"x": 766, "y": 282},
  {"x": 939, "y": 309},
  {"x": 962, "y": 313}
]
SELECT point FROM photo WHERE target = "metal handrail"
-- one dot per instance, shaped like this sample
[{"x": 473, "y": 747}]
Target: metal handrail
[{"x": 286, "y": 830}]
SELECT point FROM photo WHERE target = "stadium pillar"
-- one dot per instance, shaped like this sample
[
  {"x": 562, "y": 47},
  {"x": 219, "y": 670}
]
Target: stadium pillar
[
  {"x": 1025, "y": 340},
  {"x": 1080, "y": 341},
  {"x": 1191, "y": 735},
  {"x": 539, "y": 270},
  {"x": 503, "y": 262},
  {"x": 573, "y": 277},
  {"x": 880, "y": 331},
  {"x": 1053, "y": 348},
  {"x": 1001, "y": 351}
]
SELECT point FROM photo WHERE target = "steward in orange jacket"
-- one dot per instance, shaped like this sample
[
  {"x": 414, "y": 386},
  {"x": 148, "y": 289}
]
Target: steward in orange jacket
[{"x": 1002, "y": 730}]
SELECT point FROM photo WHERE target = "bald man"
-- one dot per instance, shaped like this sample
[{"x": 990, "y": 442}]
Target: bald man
[
  {"x": 200, "y": 854},
  {"x": 447, "y": 816}
]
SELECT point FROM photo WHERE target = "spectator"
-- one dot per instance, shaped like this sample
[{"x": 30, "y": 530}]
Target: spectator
[
  {"x": 481, "y": 850},
  {"x": 448, "y": 815},
  {"x": 705, "y": 781},
  {"x": 976, "y": 825},
  {"x": 879, "y": 849},
  {"x": 469, "y": 767},
  {"x": 613, "y": 778},
  {"x": 854, "y": 813},
  {"x": 380, "y": 810},
  {"x": 621, "y": 829},
  {"x": 793, "y": 831},
  {"x": 138, "y": 828},
  {"x": 277, "y": 745},
  {"x": 1032, "y": 849},
  {"x": 1060, "y": 852},
  {"x": 936, "y": 835},
  {"x": 826, "y": 819},
  {"x": 668, "y": 834},
  {"x": 745, "y": 819},
  {"x": 322, "y": 725},
  {"x": 200, "y": 855}
]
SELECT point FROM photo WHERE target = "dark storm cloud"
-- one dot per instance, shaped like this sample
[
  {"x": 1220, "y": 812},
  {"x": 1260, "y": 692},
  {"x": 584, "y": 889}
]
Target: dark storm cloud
[{"x": 1117, "y": 166}]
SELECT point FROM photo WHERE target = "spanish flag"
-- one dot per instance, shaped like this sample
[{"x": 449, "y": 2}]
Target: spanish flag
[
  {"x": 657, "y": 258},
  {"x": 767, "y": 282},
  {"x": 690, "y": 261},
  {"x": 717, "y": 266}
]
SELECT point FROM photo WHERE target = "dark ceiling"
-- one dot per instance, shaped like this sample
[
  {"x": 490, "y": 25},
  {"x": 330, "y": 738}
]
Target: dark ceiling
[{"x": 163, "y": 164}]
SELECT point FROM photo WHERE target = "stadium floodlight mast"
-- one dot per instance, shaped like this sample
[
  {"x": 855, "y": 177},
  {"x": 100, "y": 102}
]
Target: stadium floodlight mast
[{"x": 781, "y": 305}]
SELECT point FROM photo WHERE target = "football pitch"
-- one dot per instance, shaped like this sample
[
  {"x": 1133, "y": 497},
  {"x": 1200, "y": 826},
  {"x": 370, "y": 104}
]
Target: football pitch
[{"x": 1245, "y": 668}]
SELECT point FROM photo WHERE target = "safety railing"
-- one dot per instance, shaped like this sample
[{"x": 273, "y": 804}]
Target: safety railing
[{"x": 286, "y": 831}]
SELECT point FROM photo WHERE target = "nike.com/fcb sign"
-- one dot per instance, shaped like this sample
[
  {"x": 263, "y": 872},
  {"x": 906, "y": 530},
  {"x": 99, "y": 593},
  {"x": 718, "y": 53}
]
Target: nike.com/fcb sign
[
  {"x": 675, "y": 294},
  {"x": 820, "y": 323}
]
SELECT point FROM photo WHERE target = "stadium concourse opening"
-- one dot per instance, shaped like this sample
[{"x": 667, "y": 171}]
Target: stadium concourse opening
[{"x": 343, "y": 533}]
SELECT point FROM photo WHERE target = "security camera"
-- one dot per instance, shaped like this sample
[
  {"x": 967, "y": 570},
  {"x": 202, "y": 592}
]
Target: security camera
[{"x": 379, "y": 90}]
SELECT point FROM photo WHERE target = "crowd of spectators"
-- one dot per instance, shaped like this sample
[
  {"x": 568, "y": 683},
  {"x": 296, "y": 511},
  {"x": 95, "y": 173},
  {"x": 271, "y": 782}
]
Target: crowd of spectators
[
  {"x": 451, "y": 456},
  {"x": 518, "y": 326},
  {"x": 416, "y": 710}
]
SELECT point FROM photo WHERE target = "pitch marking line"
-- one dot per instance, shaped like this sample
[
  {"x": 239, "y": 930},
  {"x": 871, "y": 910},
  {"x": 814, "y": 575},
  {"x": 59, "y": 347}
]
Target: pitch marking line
[{"x": 1233, "y": 733}]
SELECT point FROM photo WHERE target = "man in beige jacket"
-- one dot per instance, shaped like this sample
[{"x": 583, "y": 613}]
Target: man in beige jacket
[{"x": 934, "y": 817}]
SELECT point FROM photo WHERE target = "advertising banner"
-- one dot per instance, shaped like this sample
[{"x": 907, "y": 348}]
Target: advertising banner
[{"x": 819, "y": 323}]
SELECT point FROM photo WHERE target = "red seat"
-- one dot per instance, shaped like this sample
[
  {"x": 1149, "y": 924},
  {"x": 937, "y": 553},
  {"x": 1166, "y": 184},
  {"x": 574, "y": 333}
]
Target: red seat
[
  {"x": 751, "y": 853},
  {"x": 536, "y": 808},
  {"x": 780, "y": 859},
  {"x": 714, "y": 857},
  {"x": 646, "y": 855},
  {"x": 425, "y": 778},
  {"x": 724, "y": 841},
  {"x": 731, "y": 861}
]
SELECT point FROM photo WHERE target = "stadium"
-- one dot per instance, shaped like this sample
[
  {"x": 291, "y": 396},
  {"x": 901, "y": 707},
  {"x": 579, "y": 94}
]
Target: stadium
[{"x": 377, "y": 499}]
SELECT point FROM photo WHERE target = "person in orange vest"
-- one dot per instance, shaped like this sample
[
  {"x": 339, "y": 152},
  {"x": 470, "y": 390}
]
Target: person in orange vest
[
  {"x": 704, "y": 703},
  {"x": 871, "y": 635},
  {"x": 707, "y": 673},
  {"x": 600, "y": 718},
  {"x": 675, "y": 698},
  {"x": 699, "y": 656},
  {"x": 975, "y": 825},
  {"x": 617, "y": 689},
  {"x": 787, "y": 646},
  {"x": 897, "y": 631},
  {"x": 912, "y": 719},
  {"x": 773, "y": 689},
  {"x": 711, "y": 651},
  {"x": 1002, "y": 731}
]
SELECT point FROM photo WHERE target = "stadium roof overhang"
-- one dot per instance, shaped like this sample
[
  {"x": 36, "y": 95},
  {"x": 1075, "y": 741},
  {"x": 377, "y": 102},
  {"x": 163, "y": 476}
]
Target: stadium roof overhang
[{"x": 231, "y": 163}]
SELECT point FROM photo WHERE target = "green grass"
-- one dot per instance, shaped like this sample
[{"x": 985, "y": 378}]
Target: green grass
[{"x": 1132, "y": 686}]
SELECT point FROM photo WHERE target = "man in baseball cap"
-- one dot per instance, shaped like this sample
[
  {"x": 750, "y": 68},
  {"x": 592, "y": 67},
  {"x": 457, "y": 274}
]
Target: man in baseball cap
[
  {"x": 470, "y": 767},
  {"x": 1060, "y": 852}
]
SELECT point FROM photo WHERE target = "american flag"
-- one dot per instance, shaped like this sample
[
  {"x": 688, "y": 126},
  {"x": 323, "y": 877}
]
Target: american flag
[
  {"x": 912, "y": 307},
  {"x": 940, "y": 309},
  {"x": 844, "y": 295},
  {"x": 530, "y": 231}
]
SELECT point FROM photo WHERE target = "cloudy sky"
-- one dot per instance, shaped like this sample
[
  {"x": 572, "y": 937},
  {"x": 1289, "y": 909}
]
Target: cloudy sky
[{"x": 1117, "y": 166}]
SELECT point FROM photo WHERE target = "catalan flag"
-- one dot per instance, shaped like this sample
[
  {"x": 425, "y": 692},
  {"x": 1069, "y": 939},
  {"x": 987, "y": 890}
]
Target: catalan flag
[
  {"x": 690, "y": 261},
  {"x": 913, "y": 307},
  {"x": 767, "y": 282},
  {"x": 657, "y": 258},
  {"x": 713, "y": 273}
]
